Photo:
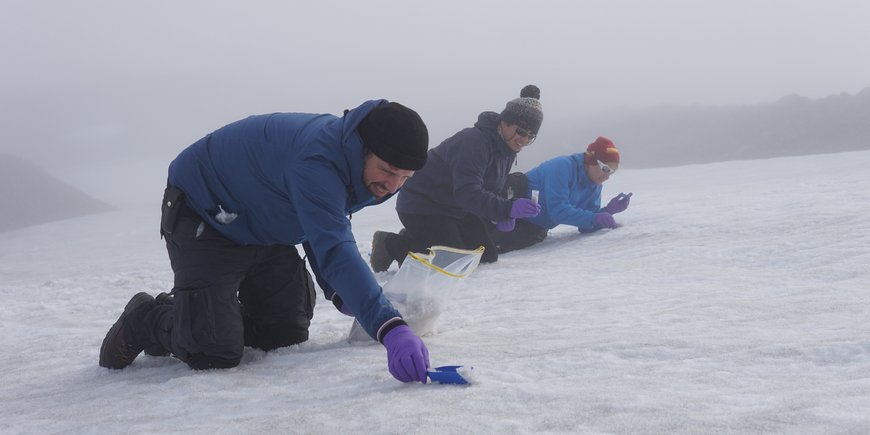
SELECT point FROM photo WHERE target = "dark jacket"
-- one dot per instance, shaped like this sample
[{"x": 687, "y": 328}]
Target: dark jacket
[
  {"x": 463, "y": 175},
  {"x": 290, "y": 178}
]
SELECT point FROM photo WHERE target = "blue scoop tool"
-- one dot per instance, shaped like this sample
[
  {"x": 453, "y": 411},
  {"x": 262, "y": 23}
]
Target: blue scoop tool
[{"x": 447, "y": 375}]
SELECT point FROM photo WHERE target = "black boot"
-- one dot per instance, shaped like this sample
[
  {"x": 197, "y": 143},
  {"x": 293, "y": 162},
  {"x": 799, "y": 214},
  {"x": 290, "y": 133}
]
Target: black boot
[
  {"x": 129, "y": 335},
  {"x": 158, "y": 349},
  {"x": 380, "y": 258}
]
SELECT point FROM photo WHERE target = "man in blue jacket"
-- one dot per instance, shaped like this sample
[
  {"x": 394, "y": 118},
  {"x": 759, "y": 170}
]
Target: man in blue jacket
[{"x": 238, "y": 202}]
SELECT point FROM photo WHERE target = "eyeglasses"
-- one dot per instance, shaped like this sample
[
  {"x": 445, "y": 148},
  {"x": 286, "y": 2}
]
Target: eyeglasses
[
  {"x": 525, "y": 133},
  {"x": 604, "y": 168}
]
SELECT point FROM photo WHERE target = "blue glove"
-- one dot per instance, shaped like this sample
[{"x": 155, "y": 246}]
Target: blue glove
[
  {"x": 604, "y": 220},
  {"x": 506, "y": 226},
  {"x": 524, "y": 208},
  {"x": 618, "y": 204},
  {"x": 407, "y": 356}
]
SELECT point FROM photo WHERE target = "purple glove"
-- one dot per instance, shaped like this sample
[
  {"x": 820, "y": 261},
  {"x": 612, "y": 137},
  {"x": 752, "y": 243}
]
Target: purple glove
[
  {"x": 618, "y": 204},
  {"x": 506, "y": 226},
  {"x": 604, "y": 220},
  {"x": 524, "y": 208},
  {"x": 407, "y": 356}
]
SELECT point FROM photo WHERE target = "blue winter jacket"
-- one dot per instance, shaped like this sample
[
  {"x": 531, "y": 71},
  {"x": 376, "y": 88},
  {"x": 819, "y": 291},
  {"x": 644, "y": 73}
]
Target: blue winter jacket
[
  {"x": 463, "y": 175},
  {"x": 292, "y": 178},
  {"x": 566, "y": 194}
]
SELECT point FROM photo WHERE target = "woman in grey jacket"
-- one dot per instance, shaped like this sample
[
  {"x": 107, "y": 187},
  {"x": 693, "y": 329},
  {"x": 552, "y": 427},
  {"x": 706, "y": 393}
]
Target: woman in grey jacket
[{"x": 455, "y": 198}]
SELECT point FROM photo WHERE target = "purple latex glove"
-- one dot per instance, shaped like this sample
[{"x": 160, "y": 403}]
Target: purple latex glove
[
  {"x": 506, "y": 226},
  {"x": 618, "y": 204},
  {"x": 524, "y": 208},
  {"x": 407, "y": 356},
  {"x": 604, "y": 220}
]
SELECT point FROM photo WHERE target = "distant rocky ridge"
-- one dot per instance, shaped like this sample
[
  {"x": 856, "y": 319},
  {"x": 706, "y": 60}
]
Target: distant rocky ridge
[
  {"x": 671, "y": 136},
  {"x": 31, "y": 196}
]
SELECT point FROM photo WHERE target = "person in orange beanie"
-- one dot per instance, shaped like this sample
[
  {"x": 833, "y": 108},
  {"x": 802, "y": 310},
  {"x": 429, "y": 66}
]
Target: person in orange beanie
[{"x": 569, "y": 192}]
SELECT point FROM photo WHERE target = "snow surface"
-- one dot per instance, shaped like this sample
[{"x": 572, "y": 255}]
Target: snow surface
[{"x": 734, "y": 299}]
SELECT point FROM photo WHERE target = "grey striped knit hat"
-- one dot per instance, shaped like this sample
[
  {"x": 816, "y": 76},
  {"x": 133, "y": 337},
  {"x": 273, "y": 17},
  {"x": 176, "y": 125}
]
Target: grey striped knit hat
[{"x": 525, "y": 111}]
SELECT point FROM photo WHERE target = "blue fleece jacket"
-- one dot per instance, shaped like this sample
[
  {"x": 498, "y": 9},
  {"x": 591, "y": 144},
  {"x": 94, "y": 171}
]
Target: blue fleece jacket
[
  {"x": 291, "y": 178},
  {"x": 463, "y": 175},
  {"x": 566, "y": 194}
]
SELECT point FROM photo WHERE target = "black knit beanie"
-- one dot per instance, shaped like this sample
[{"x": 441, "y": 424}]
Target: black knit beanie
[
  {"x": 525, "y": 111},
  {"x": 397, "y": 135}
]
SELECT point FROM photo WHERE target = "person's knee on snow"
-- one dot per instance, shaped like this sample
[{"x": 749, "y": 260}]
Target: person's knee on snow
[
  {"x": 272, "y": 336},
  {"x": 203, "y": 361}
]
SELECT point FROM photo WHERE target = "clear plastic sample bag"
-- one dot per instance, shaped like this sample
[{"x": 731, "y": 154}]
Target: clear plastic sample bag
[{"x": 424, "y": 284}]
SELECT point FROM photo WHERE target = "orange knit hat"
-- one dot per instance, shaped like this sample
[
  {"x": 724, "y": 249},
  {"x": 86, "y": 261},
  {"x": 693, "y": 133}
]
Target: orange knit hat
[{"x": 602, "y": 150}]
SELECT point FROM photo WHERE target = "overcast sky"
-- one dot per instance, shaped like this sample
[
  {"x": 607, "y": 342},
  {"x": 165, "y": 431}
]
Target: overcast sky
[{"x": 94, "y": 79}]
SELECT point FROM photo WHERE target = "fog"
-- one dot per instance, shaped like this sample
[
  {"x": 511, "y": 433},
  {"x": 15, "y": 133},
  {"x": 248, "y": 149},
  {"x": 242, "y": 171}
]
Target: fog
[{"x": 90, "y": 82}]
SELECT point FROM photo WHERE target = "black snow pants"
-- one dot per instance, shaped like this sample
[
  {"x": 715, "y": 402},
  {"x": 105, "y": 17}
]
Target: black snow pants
[
  {"x": 525, "y": 234},
  {"x": 424, "y": 231},
  {"x": 226, "y": 295}
]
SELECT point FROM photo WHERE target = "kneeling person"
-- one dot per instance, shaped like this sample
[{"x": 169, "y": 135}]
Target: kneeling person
[
  {"x": 238, "y": 202},
  {"x": 569, "y": 193}
]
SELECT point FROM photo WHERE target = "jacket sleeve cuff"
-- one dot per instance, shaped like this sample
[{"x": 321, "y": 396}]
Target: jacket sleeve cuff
[{"x": 388, "y": 326}]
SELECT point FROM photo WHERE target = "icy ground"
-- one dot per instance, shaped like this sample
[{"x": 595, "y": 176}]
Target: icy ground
[{"x": 734, "y": 299}]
